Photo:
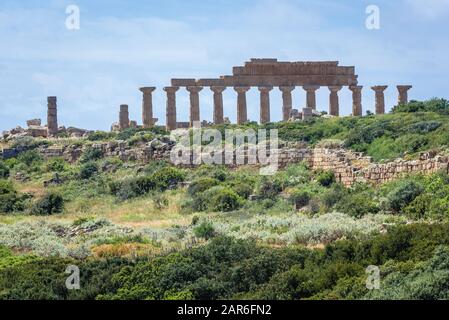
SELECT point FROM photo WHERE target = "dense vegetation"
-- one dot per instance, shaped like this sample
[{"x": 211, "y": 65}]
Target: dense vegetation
[
  {"x": 227, "y": 268},
  {"x": 156, "y": 231}
]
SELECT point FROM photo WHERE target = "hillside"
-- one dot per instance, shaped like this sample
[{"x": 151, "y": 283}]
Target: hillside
[{"x": 142, "y": 228}]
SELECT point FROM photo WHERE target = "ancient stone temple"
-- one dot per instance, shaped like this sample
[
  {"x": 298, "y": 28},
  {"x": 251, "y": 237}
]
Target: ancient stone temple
[{"x": 267, "y": 75}]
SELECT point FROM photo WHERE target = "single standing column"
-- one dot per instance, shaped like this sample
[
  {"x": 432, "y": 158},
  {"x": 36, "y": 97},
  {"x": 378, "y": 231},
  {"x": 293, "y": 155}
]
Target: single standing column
[
  {"x": 380, "y": 98},
  {"x": 287, "y": 105},
  {"x": 403, "y": 94},
  {"x": 218, "y": 103},
  {"x": 265, "y": 104},
  {"x": 147, "y": 106},
  {"x": 194, "y": 104},
  {"x": 242, "y": 113},
  {"x": 171, "y": 122},
  {"x": 334, "y": 106},
  {"x": 124, "y": 117},
  {"x": 356, "y": 100},
  {"x": 311, "y": 97},
  {"x": 52, "y": 116}
]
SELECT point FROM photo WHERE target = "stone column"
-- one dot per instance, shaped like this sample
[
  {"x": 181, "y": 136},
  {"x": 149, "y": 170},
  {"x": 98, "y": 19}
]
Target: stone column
[
  {"x": 147, "y": 106},
  {"x": 380, "y": 98},
  {"x": 242, "y": 113},
  {"x": 265, "y": 104},
  {"x": 287, "y": 105},
  {"x": 52, "y": 116},
  {"x": 403, "y": 94},
  {"x": 218, "y": 103},
  {"x": 334, "y": 106},
  {"x": 311, "y": 97},
  {"x": 124, "y": 117},
  {"x": 194, "y": 104},
  {"x": 171, "y": 122},
  {"x": 356, "y": 100}
]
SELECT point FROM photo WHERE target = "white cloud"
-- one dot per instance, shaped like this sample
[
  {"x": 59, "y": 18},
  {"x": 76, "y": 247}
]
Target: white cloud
[{"x": 95, "y": 69}]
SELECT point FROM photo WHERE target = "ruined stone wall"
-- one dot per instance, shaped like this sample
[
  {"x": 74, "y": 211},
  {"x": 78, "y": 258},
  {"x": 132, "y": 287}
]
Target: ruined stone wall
[
  {"x": 350, "y": 167},
  {"x": 347, "y": 165},
  {"x": 426, "y": 164}
]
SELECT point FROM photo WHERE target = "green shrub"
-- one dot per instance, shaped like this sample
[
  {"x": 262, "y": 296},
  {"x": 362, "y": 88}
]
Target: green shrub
[
  {"x": 154, "y": 166},
  {"x": 100, "y": 136},
  {"x": 222, "y": 199},
  {"x": 167, "y": 178},
  {"x": 91, "y": 154},
  {"x": 204, "y": 230},
  {"x": 433, "y": 105},
  {"x": 423, "y": 127},
  {"x": 268, "y": 187},
  {"x": 31, "y": 158},
  {"x": 160, "y": 180},
  {"x": 10, "y": 200},
  {"x": 201, "y": 185},
  {"x": 132, "y": 187},
  {"x": 56, "y": 165},
  {"x": 49, "y": 204},
  {"x": 403, "y": 195},
  {"x": 141, "y": 137},
  {"x": 333, "y": 195},
  {"x": 358, "y": 204},
  {"x": 300, "y": 198},
  {"x": 326, "y": 178},
  {"x": 88, "y": 170},
  {"x": 361, "y": 137},
  {"x": 127, "y": 133},
  {"x": 411, "y": 143},
  {"x": 243, "y": 189},
  {"x": 4, "y": 170},
  {"x": 383, "y": 148}
]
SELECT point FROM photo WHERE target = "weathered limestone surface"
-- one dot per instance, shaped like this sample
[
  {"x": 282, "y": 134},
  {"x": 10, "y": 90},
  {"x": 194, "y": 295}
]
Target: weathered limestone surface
[
  {"x": 194, "y": 104},
  {"x": 242, "y": 112},
  {"x": 356, "y": 100},
  {"x": 287, "y": 103},
  {"x": 380, "y": 98},
  {"x": 171, "y": 121},
  {"x": 403, "y": 94},
  {"x": 218, "y": 103},
  {"x": 34, "y": 122},
  {"x": 37, "y": 131},
  {"x": 265, "y": 104},
  {"x": 311, "y": 96},
  {"x": 124, "y": 117},
  {"x": 52, "y": 116},
  {"x": 271, "y": 72},
  {"x": 334, "y": 106},
  {"x": 147, "y": 106}
]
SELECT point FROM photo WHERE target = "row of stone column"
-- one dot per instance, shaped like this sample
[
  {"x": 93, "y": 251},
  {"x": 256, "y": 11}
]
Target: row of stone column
[{"x": 242, "y": 115}]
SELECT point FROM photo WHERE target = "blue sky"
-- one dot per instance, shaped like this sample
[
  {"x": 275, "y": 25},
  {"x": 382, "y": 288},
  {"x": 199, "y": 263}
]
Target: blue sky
[{"x": 123, "y": 45}]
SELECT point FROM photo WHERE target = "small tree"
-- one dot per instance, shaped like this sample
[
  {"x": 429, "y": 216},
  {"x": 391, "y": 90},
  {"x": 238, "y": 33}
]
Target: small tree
[{"x": 49, "y": 204}]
